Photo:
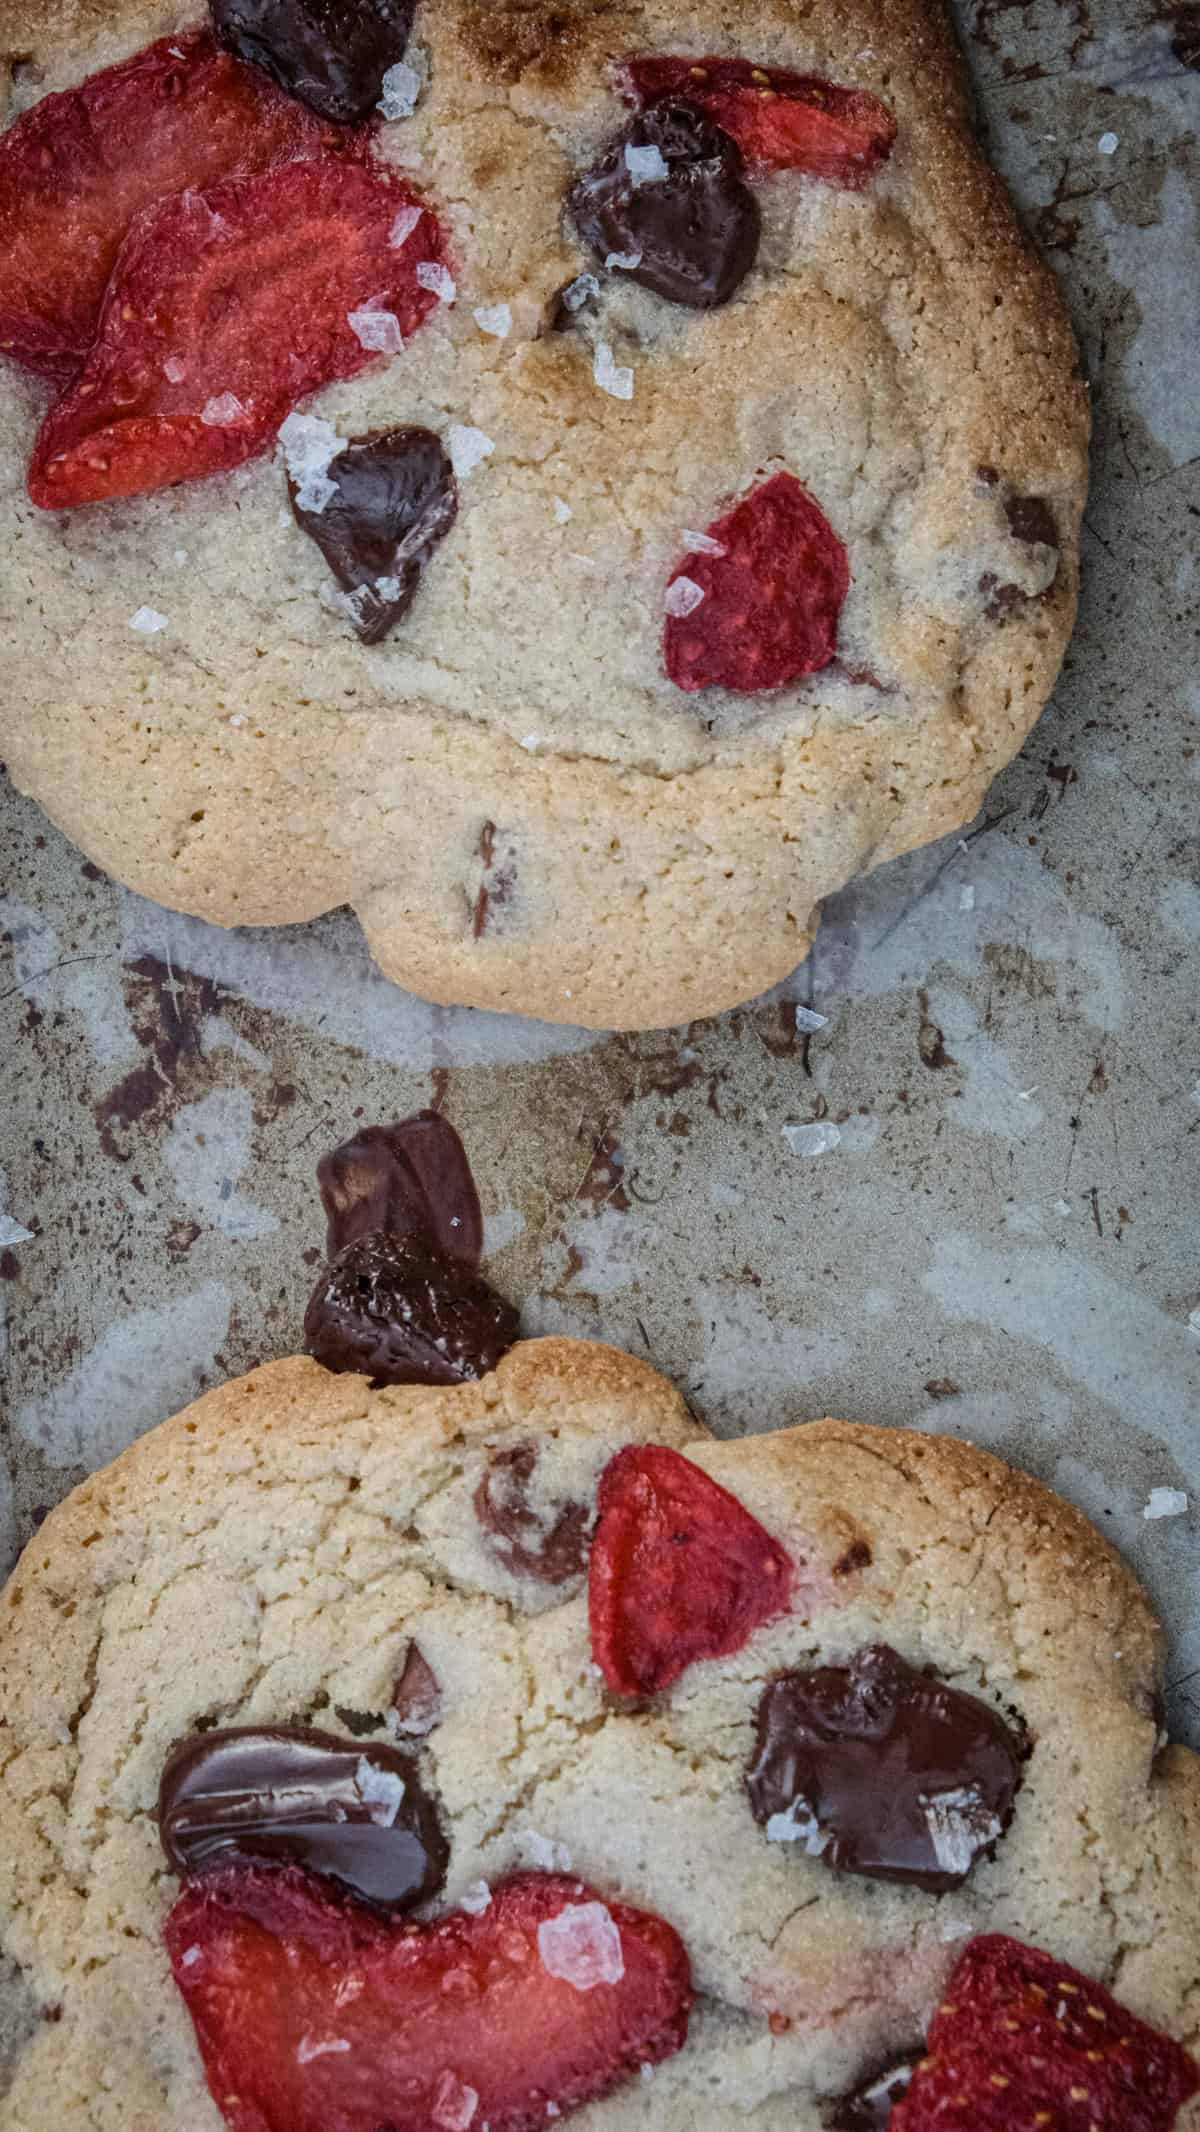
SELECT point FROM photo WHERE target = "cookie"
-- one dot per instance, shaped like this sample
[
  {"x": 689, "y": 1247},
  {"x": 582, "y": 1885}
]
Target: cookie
[
  {"x": 641, "y": 1754},
  {"x": 578, "y": 491}
]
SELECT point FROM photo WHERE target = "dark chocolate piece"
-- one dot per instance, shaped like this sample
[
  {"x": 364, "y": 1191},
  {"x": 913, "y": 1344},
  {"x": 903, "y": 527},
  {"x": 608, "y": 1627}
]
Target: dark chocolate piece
[
  {"x": 288, "y": 1796},
  {"x": 396, "y": 499},
  {"x": 1030, "y": 519},
  {"x": 396, "y": 1309},
  {"x": 1185, "y": 37},
  {"x": 410, "y": 1179},
  {"x": 525, "y": 1542},
  {"x": 882, "y": 1770},
  {"x": 416, "y": 1697},
  {"x": 870, "y": 2107},
  {"x": 694, "y": 230},
  {"x": 1000, "y": 600},
  {"x": 330, "y": 54}
]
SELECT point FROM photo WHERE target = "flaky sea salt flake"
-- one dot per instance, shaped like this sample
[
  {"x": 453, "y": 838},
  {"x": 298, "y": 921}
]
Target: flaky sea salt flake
[
  {"x": 682, "y": 596},
  {"x": 614, "y": 378},
  {"x": 562, "y": 512},
  {"x": 700, "y": 543},
  {"x": 1166, "y": 1503},
  {"x": 580, "y": 291},
  {"x": 818, "y": 1139},
  {"x": 1109, "y": 143},
  {"x": 174, "y": 371},
  {"x": 403, "y": 226},
  {"x": 959, "y": 1825},
  {"x": 622, "y": 262},
  {"x": 401, "y": 87},
  {"x": 376, "y": 330},
  {"x": 646, "y": 166},
  {"x": 431, "y": 274},
  {"x": 495, "y": 319},
  {"x": 310, "y": 2047},
  {"x": 380, "y": 1789},
  {"x": 808, "y": 1020},
  {"x": 11, "y": 1232},
  {"x": 582, "y": 1946},
  {"x": 467, "y": 448},
  {"x": 147, "y": 621},
  {"x": 190, "y": 1956},
  {"x": 476, "y": 1899},
  {"x": 798, "y": 1824},
  {"x": 308, "y": 444},
  {"x": 221, "y": 410},
  {"x": 966, "y": 897},
  {"x": 542, "y": 1853},
  {"x": 454, "y": 2103}
]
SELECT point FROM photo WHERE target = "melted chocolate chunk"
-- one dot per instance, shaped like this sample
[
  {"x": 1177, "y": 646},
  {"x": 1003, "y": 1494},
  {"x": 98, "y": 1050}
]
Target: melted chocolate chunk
[
  {"x": 417, "y": 1697},
  {"x": 409, "y": 1179},
  {"x": 870, "y": 2107},
  {"x": 694, "y": 230},
  {"x": 999, "y": 600},
  {"x": 400, "y": 1312},
  {"x": 288, "y": 1796},
  {"x": 882, "y": 1770},
  {"x": 527, "y": 1543},
  {"x": 1030, "y": 519},
  {"x": 396, "y": 499},
  {"x": 330, "y": 54}
]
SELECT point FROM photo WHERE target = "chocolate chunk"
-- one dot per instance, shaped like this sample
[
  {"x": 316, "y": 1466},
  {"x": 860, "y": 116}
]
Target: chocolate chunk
[
  {"x": 1185, "y": 37},
  {"x": 288, "y": 1796},
  {"x": 396, "y": 499},
  {"x": 401, "y": 1312},
  {"x": 417, "y": 1697},
  {"x": 1030, "y": 519},
  {"x": 694, "y": 230},
  {"x": 870, "y": 2107},
  {"x": 999, "y": 600},
  {"x": 330, "y": 54},
  {"x": 882, "y": 1770},
  {"x": 410, "y": 1179},
  {"x": 526, "y": 1542}
]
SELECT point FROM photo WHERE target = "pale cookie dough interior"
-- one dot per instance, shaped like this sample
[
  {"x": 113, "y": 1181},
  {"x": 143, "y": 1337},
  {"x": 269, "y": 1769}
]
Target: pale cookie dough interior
[
  {"x": 269, "y": 1555},
  {"x": 665, "y": 852}
]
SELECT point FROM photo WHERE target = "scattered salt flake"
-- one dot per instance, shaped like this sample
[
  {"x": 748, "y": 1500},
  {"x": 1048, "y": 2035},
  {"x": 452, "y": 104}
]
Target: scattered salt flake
[
  {"x": 310, "y": 2047},
  {"x": 174, "y": 371},
  {"x": 308, "y": 445},
  {"x": 221, "y": 410},
  {"x": 646, "y": 166},
  {"x": 959, "y": 1825},
  {"x": 147, "y": 621},
  {"x": 955, "y": 1928},
  {"x": 238, "y": 718},
  {"x": 1194, "y": 1322},
  {"x": 454, "y": 2103},
  {"x": 646, "y": 2070},
  {"x": 532, "y": 742},
  {"x": 580, "y": 291},
  {"x": 401, "y": 87},
  {"x": 810, "y": 1021},
  {"x": 349, "y": 1989},
  {"x": 562, "y": 511},
  {"x": 613, "y": 378},
  {"x": 966, "y": 897},
  {"x": 467, "y": 447},
  {"x": 552, "y": 2110},
  {"x": 1109, "y": 143},
  {"x": 819, "y": 1139},
  {"x": 495, "y": 319},
  {"x": 701, "y": 543},
  {"x": 377, "y": 330},
  {"x": 798, "y": 1824},
  {"x": 622, "y": 262},
  {"x": 682, "y": 596},
  {"x": 11, "y": 1231},
  {"x": 403, "y": 226},
  {"x": 181, "y": 556},
  {"x": 431, "y": 274},
  {"x": 1166, "y": 1503},
  {"x": 190, "y": 1956},
  {"x": 381, "y": 1789},
  {"x": 476, "y": 1899},
  {"x": 388, "y": 588},
  {"x": 582, "y": 1946},
  {"x": 1062, "y": 1206},
  {"x": 1026, "y": 1095},
  {"x": 539, "y": 1851}
]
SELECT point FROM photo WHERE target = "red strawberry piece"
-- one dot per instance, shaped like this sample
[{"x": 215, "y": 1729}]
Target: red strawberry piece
[
  {"x": 1021, "y": 2040},
  {"x": 783, "y": 120},
  {"x": 76, "y": 168},
  {"x": 679, "y": 1571},
  {"x": 771, "y": 599},
  {"x": 312, "y": 2015},
  {"x": 224, "y": 309}
]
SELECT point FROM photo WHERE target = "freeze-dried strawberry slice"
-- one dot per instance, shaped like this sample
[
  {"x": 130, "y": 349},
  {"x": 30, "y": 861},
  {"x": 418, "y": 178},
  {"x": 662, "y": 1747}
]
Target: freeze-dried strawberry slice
[
  {"x": 783, "y": 120},
  {"x": 224, "y": 309},
  {"x": 76, "y": 168},
  {"x": 768, "y": 603},
  {"x": 679, "y": 1571},
  {"x": 314, "y": 2016},
  {"x": 1021, "y": 2040}
]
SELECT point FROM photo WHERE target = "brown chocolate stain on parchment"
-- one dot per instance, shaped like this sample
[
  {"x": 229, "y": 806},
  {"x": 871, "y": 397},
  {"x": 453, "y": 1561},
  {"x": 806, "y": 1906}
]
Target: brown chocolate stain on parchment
[{"x": 168, "y": 1008}]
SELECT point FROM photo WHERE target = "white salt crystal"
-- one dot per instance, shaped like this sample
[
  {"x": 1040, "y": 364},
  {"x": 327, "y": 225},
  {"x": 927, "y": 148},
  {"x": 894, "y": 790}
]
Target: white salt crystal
[
  {"x": 820, "y": 1139},
  {"x": 310, "y": 2047},
  {"x": 467, "y": 447},
  {"x": 622, "y": 262},
  {"x": 401, "y": 87},
  {"x": 403, "y": 226},
  {"x": 798, "y": 1824},
  {"x": 189, "y": 1957},
  {"x": 1026, "y": 1095},
  {"x": 388, "y": 588},
  {"x": 532, "y": 742},
  {"x": 1062, "y": 1206},
  {"x": 495, "y": 319},
  {"x": 308, "y": 445},
  {"x": 959, "y": 1825},
  {"x": 476, "y": 1899},
  {"x": 682, "y": 596},
  {"x": 1109, "y": 143},
  {"x": 431, "y": 274},
  {"x": 809, "y": 1020},
  {"x": 238, "y": 718},
  {"x": 562, "y": 511},
  {"x": 966, "y": 897},
  {"x": 646, "y": 2070},
  {"x": 577, "y": 292},
  {"x": 454, "y": 2103},
  {"x": 380, "y": 1789},
  {"x": 181, "y": 556},
  {"x": 11, "y": 1231},
  {"x": 582, "y": 1946},
  {"x": 701, "y": 543},
  {"x": 147, "y": 621},
  {"x": 1166, "y": 1503},
  {"x": 1194, "y": 1321},
  {"x": 613, "y": 378},
  {"x": 174, "y": 371},
  {"x": 376, "y": 329},
  {"x": 542, "y": 1853},
  {"x": 221, "y": 410},
  {"x": 646, "y": 166}
]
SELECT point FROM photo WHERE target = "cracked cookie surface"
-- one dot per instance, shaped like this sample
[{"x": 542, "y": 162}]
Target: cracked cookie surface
[
  {"x": 895, "y": 348},
  {"x": 276, "y": 1554}
]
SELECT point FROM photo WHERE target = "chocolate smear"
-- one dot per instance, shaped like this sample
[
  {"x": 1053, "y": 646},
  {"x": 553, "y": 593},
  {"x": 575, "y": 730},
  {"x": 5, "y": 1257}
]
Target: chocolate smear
[
  {"x": 399, "y": 1311},
  {"x": 409, "y": 1179},
  {"x": 882, "y": 1770},
  {"x": 551, "y": 1548},
  {"x": 288, "y": 1796},
  {"x": 395, "y": 499},
  {"x": 689, "y": 232},
  {"x": 330, "y": 54}
]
